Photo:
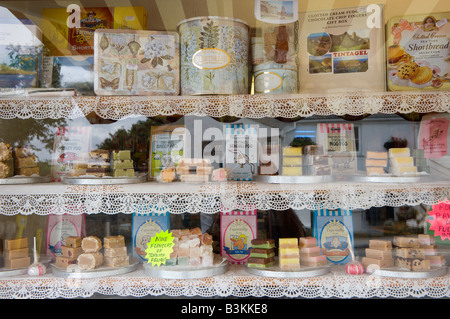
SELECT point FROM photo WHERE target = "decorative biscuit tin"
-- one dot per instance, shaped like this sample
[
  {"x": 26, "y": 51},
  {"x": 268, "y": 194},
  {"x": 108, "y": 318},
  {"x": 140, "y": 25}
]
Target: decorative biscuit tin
[
  {"x": 418, "y": 56},
  {"x": 273, "y": 78},
  {"x": 214, "y": 56},
  {"x": 342, "y": 50},
  {"x": 137, "y": 62}
]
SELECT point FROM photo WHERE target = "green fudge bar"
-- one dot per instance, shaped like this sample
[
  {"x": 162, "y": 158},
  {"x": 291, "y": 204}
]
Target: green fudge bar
[
  {"x": 121, "y": 155},
  {"x": 128, "y": 172},
  {"x": 263, "y": 243},
  {"x": 122, "y": 164}
]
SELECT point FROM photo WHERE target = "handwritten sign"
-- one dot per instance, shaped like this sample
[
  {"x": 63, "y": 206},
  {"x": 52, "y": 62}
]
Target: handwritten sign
[
  {"x": 440, "y": 221},
  {"x": 159, "y": 248}
]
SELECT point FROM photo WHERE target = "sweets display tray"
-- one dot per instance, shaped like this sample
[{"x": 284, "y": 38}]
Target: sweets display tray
[
  {"x": 187, "y": 272},
  {"x": 75, "y": 272},
  {"x": 25, "y": 180},
  {"x": 280, "y": 179},
  {"x": 304, "y": 271},
  {"x": 388, "y": 178},
  {"x": 104, "y": 180},
  {"x": 6, "y": 272},
  {"x": 403, "y": 273}
]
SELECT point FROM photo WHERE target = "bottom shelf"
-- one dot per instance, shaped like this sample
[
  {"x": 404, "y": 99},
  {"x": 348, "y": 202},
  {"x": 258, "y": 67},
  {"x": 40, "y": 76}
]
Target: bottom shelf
[{"x": 235, "y": 282}]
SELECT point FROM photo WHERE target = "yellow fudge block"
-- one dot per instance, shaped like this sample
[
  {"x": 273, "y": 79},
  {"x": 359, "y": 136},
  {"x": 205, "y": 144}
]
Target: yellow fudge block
[
  {"x": 401, "y": 161},
  {"x": 288, "y": 243},
  {"x": 399, "y": 152},
  {"x": 292, "y": 151},
  {"x": 292, "y": 161},
  {"x": 292, "y": 170}
]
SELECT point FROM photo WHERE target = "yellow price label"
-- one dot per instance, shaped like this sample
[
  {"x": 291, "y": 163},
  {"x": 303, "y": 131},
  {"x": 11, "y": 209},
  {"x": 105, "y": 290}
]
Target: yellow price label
[{"x": 159, "y": 248}]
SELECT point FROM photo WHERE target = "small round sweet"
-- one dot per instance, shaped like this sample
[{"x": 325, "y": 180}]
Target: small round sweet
[
  {"x": 354, "y": 268},
  {"x": 408, "y": 70},
  {"x": 423, "y": 75},
  {"x": 36, "y": 269}
]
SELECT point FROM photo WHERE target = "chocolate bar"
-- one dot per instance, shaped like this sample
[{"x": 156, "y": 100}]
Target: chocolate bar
[{"x": 263, "y": 243}]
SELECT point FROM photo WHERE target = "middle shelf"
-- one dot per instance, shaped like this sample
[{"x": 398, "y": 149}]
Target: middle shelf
[
  {"x": 242, "y": 106},
  {"x": 210, "y": 198}
]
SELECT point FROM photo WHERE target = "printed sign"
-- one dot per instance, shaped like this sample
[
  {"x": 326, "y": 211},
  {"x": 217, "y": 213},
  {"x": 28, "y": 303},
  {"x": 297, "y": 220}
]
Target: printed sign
[
  {"x": 159, "y": 248},
  {"x": 276, "y": 11},
  {"x": 440, "y": 220},
  {"x": 433, "y": 137}
]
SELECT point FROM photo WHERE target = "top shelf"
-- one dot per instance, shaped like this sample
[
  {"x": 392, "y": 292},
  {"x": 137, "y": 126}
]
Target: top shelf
[{"x": 242, "y": 106}]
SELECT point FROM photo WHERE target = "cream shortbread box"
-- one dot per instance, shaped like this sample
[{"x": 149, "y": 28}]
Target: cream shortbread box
[
  {"x": 342, "y": 50},
  {"x": 418, "y": 53}
]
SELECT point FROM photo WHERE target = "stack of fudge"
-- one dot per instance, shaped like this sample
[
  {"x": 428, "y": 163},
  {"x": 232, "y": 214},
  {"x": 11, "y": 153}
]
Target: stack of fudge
[
  {"x": 194, "y": 169},
  {"x": 115, "y": 252},
  {"x": 291, "y": 161},
  {"x": 420, "y": 161},
  {"x": 310, "y": 253},
  {"x": 401, "y": 161},
  {"x": 192, "y": 248},
  {"x": 16, "y": 253},
  {"x": 122, "y": 164},
  {"x": 25, "y": 161},
  {"x": 262, "y": 253},
  {"x": 69, "y": 252},
  {"x": 91, "y": 257},
  {"x": 98, "y": 163},
  {"x": 315, "y": 162},
  {"x": 379, "y": 254},
  {"x": 376, "y": 163},
  {"x": 6, "y": 161},
  {"x": 417, "y": 253},
  {"x": 288, "y": 254}
]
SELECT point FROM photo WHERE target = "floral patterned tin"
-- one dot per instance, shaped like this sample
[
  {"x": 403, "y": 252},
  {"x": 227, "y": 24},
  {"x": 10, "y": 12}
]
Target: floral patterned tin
[
  {"x": 128, "y": 62},
  {"x": 214, "y": 56},
  {"x": 275, "y": 78}
]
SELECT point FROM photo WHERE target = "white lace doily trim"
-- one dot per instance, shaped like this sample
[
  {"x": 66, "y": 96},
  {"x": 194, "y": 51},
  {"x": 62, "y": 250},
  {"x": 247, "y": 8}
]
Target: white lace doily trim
[
  {"x": 248, "y": 106},
  {"x": 55, "y": 198},
  {"x": 236, "y": 282}
]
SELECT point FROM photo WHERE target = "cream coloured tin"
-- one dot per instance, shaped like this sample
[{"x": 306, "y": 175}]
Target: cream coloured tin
[
  {"x": 274, "y": 78},
  {"x": 214, "y": 56},
  {"x": 418, "y": 53}
]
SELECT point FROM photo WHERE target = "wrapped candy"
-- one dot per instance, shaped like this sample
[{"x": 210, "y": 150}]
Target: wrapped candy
[
  {"x": 36, "y": 268},
  {"x": 354, "y": 267}
]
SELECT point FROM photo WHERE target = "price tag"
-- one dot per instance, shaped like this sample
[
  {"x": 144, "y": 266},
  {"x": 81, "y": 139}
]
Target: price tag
[
  {"x": 159, "y": 248},
  {"x": 440, "y": 222}
]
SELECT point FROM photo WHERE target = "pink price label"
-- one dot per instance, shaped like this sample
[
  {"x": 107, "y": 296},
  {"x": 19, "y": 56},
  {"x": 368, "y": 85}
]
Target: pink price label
[{"x": 440, "y": 221}]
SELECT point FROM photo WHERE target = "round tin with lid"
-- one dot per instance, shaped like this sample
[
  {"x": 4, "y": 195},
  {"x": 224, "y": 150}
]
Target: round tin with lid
[
  {"x": 275, "y": 78},
  {"x": 214, "y": 56}
]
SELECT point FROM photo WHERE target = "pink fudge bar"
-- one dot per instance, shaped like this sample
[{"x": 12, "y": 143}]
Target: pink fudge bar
[
  {"x": 426, "y": 239},
  {"x": 319, "y": 260},
  {"x": 310, "y": 251},
  {"x": 436, "y": 260},
  {"x": 429, "y": 249},
  {"x": 307, "y": 242}
]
